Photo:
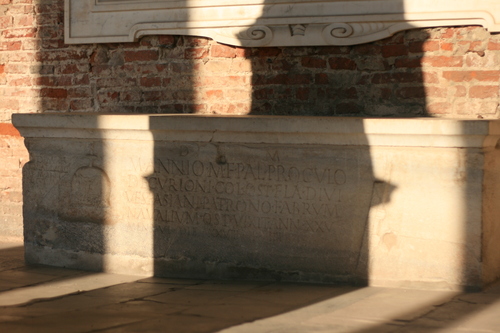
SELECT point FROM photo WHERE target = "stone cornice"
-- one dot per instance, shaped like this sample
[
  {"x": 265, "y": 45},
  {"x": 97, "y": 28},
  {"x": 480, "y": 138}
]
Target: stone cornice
[{"x": 411, "y": 132}]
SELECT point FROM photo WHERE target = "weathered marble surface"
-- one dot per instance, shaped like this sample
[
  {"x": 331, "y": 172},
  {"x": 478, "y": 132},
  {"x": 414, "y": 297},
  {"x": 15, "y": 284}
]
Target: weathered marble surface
[
  {"x": 269, "y": 23},
  {"x": 389, "y": 201}
]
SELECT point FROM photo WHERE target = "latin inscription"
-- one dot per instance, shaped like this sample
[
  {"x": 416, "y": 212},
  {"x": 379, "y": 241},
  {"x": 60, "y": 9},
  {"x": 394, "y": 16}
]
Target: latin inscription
[{"x": 227, "y": 197}]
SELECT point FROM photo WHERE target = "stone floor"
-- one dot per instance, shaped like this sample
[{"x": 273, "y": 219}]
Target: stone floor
[{"x": 43, "y": 299}]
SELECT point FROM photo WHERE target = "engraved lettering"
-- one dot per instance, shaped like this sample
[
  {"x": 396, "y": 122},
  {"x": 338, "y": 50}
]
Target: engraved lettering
[
  {"x": 269, "y": 194},
  {"x": 198, "y": 168},
  {"x": 275, "y": 157}
]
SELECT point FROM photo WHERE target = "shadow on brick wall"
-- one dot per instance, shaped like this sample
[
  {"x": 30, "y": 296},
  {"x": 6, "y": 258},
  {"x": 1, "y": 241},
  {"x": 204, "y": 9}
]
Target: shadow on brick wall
[{"x": 378, "y": 79}]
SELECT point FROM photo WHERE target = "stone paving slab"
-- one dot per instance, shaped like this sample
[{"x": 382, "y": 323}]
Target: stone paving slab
[{"x": 45, "y": 299}]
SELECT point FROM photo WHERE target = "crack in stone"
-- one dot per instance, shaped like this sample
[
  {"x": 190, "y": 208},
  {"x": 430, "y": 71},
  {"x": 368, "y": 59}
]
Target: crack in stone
[
  {"x": 458, "y": 300},
  {"x": 115, "y": 326},
  {"x": 212, "y": 137}
]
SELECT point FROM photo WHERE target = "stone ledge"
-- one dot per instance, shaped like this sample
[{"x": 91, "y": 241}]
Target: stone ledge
[{"x": 415, "y": 132}]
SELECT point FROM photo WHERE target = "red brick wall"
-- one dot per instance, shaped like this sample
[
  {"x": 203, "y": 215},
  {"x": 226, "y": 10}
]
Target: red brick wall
[
  {"x": 12, "y": 158},
  {"x": 18, "y": 42},
  {"x": 447, "y": 72},
  {"x": 444, "y": 71}
]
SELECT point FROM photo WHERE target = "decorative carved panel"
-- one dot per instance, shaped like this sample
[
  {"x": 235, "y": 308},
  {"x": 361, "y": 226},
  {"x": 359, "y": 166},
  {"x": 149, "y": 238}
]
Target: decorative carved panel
[{"x": 269, "y": 22}]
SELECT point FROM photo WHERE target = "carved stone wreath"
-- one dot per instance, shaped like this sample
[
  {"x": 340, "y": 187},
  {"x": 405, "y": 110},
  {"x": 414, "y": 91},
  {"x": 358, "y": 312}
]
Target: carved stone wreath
[{"x": 269, "y": 23}]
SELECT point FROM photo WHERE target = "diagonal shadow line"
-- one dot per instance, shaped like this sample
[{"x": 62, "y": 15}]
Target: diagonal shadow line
[
  {"x": 451, "y": 313},
  {"x": 24, "y": 284},
  {"x": 232, "y": 308},
  {"x": 347, "y": 313}
]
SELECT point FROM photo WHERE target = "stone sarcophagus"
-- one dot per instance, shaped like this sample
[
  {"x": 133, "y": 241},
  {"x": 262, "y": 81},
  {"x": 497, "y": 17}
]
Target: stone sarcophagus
[{"x": 408, "y": 202}]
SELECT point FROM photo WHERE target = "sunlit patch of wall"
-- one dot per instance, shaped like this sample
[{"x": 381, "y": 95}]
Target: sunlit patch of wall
[{"x": 129, "y": 205}]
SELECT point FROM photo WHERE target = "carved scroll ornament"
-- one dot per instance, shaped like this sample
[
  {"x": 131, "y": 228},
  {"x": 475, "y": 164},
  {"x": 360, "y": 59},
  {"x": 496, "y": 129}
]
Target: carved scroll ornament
[{"x": 271, "y": 22}]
